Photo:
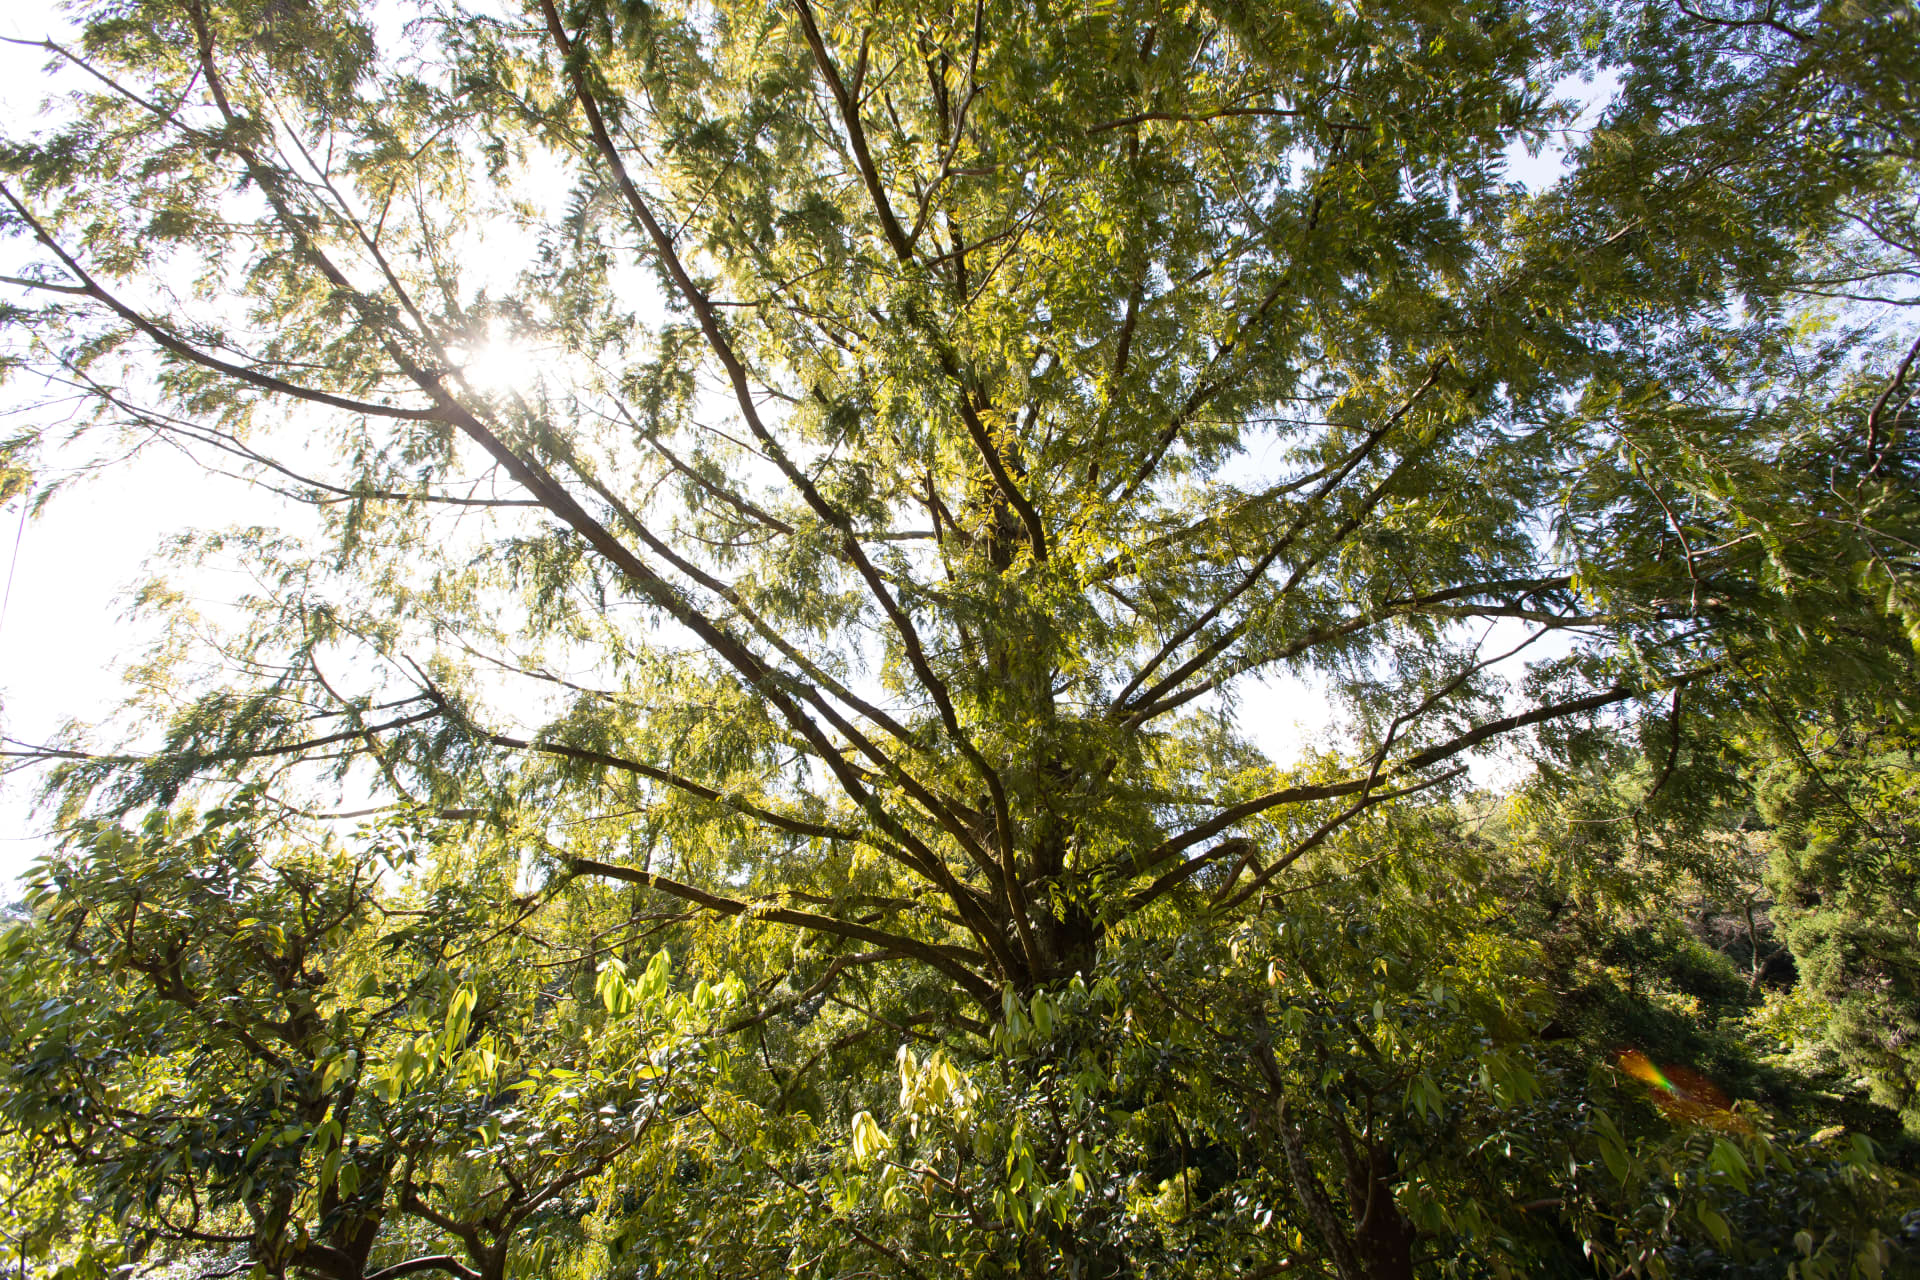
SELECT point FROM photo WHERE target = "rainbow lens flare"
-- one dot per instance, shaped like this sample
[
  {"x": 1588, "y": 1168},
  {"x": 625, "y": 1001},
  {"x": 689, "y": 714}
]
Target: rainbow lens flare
[{"x": 1683, "y": 1096}]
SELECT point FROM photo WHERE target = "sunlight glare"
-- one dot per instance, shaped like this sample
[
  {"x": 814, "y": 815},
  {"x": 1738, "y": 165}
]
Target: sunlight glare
[{"x": 499, "y": 365}]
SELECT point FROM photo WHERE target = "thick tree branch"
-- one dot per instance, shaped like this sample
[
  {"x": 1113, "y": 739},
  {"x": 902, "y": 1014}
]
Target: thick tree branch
[
  {"x": 736, "y": 373},
  {"x": 856, "y": 133},
  {"x": 1196, "y": 117},
  {"x": 427, "y": 1262}
]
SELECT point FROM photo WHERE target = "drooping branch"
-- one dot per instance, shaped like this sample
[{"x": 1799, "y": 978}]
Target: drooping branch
[
  {"x": 179, "y": 347},
  {"x": 959, "y": 963},
  {"x": 679, "y": 782},
  {"x": 226, "y": 442},
  {"x": 1895, "y": 395}
]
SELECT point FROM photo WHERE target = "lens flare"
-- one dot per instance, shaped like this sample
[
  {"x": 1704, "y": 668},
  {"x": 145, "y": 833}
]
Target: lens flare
[{"x": 1683, "y": 1096}]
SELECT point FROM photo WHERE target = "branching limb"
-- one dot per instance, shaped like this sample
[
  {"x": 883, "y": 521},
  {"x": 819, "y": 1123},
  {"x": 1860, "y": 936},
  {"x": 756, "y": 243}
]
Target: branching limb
[
  {"x": 958, "y": 963},
  {"x": 856, "y": 133},
  {"x": 1175, "y": 845}
]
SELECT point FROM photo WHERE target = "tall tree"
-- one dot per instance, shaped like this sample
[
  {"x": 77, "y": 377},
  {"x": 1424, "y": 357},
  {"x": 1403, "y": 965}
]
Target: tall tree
[{"x": 837, "y": 469}]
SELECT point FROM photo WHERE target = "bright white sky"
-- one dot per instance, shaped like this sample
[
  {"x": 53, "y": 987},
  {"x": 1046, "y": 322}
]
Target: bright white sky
[
  {"x": 60, "y": 638},
  {"x": 64, "y": 634}
]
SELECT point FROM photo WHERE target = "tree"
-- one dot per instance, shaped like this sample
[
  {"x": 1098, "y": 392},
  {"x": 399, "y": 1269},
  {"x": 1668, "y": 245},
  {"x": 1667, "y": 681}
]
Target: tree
[
  {"x": 936, "y": 417},
  {"x": 1844, "y": 882},
  {"x": 272, "y": 1052}
]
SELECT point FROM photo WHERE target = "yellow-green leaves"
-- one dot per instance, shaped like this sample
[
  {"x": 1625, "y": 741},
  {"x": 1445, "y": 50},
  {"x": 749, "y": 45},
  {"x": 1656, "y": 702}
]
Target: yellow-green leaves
[{"x": 868, "y": 1140}]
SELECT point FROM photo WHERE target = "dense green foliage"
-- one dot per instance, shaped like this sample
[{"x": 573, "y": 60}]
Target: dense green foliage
[
  {"x": 274, "y": 1032},
  {"x": 782, "y": 506},
  {"x": 1848, "y": 888}
]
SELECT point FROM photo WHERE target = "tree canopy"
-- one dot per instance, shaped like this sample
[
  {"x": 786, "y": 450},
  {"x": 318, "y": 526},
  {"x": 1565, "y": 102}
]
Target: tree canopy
[{"x": 784, "y": 507}]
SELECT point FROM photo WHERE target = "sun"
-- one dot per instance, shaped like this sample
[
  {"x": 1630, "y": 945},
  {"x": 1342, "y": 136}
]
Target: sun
[{"x": 499, "y": 365}]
